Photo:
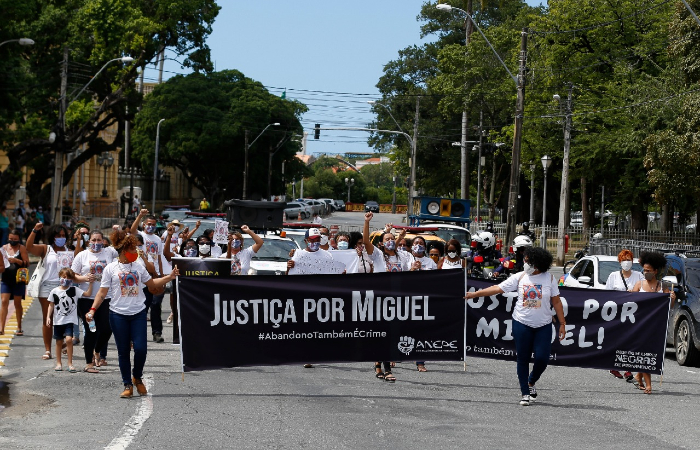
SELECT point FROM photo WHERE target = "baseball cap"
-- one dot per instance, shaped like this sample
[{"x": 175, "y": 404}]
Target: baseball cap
[{"x": 312, "y": 232}]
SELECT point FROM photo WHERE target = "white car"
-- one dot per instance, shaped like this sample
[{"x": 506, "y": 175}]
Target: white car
[
  {"x": 592, "y": 271},
  {"x": 272, "y": 257},
  {"x": 447, "y": 231}
]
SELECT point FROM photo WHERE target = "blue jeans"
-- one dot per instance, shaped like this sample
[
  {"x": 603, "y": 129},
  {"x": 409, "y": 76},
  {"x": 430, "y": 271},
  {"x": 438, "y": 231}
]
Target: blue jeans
[
  {"x": 527, "y": 341},
  {"x": 155, "y": 304},
  {"x": 128, "y": 329}
]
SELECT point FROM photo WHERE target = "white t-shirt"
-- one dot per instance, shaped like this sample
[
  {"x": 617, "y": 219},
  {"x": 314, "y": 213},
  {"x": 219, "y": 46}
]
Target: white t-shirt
[
  {"x": 425, "y": 262},
  {"x": 65, "y": 305},
  {"x": 447, "y": 264},
  {"x": 401, "y": 262},
  {"x": 534, "y": 303},
  {"x": 152, "y": 246},
  {"x": 88, "y": 262},
  {"x": 615, "y": 283},
  {"x": 240, "y": 262},
  {"x": 124, "y": 282}
]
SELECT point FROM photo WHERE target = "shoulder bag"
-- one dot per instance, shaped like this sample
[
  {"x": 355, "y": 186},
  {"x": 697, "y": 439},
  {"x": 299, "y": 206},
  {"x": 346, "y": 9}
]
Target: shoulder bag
[{"x": 35, "y": 281}]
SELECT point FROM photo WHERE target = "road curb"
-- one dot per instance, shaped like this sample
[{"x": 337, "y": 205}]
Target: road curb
[{"x": 11, "y": 329}]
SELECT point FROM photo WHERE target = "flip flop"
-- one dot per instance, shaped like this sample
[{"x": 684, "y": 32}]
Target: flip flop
[
  {"x": 58, "y": 369},
  {"x": 18, "y": 333},
  {"x": 71, "y": 369},
  {"x": 89, "y": 369},
  {"x": 46, "y": 355}
]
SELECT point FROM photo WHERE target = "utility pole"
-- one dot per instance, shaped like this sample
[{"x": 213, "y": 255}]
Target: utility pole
[
  {"x": 57, "y": 184},
  {"x": 245, "y": 169},
  {"x": 517, "y": 139},
  {"x": 563, "y": 197},
  {"x": 464, "y": 162},
  {"x": 478, "y": 167},
  {"x": 412, "y": 186}
]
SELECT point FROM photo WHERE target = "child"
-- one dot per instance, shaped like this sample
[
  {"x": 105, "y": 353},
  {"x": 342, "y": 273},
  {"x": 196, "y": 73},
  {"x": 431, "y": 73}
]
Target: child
[{"x": 63, "y": 309}]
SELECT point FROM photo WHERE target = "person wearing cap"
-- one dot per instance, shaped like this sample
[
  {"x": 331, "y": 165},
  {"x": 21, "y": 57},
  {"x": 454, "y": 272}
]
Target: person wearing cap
[{"x": 175, "y": 239}]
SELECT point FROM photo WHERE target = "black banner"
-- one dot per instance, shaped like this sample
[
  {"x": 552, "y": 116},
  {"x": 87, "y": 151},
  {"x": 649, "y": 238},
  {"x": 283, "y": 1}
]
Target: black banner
[
  {"x": 612, "y": 330},
  {"x": 207, "y": 267},
  {"x": 263, "y": 320}
]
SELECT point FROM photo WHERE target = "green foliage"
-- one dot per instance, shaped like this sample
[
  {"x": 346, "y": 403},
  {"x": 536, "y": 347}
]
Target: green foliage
[{"x": 206, "y": 118}]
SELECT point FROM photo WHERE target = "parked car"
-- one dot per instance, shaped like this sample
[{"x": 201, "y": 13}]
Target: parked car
[
  {"x": 317, "y": 207},
  {"x": 293, "y": 210},
  {"x": 576, "y": 219},
  {"x": 372, "y": 206},
  {"x": 330, "y": 206},
  {"x": 592, "y": 271},
  {"x": 206, "y": 224},
  {"x": 339, "y": 205},
  {"x": 683, "y": 330},
  {"x": 272, "y": 257},
  {"x": 691, "y": 228},
  {"x": 446, "y": 232}
]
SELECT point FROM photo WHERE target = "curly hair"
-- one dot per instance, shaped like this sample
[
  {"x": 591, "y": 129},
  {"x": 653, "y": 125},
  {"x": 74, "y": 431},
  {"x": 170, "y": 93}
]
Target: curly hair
[
  {"x": 355, "y": 237},
  {"x": 121, "y": 240},
  {"x": 455, "y": 243},
  {"x": 624, "y": 254},
  {"x": 538, "y": 257},
  {"x": 53, "y": 231},
  {"x": 657, "y": 260}
]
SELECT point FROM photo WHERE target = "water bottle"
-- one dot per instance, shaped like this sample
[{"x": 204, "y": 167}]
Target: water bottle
[{"x": 92, "y": 325}]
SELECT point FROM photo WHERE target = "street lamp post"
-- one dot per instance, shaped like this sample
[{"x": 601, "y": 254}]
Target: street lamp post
[
  {"x": 105, "y": 160},
  {"x": 393, "y": 196},
  {"x": 20, "y": 41},
  {"x": 546, "y": 162},
  {"x": 247, "y": 148},
  {"x": 563, "y": 197},
  {"x": 349, "y": 182},
  {"x": 294, "y": 188},
  {"x": 155, "y": 167},
  {"x": 532, "y": 196}
]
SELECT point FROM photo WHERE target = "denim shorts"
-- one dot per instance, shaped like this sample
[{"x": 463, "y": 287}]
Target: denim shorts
[
  {"x": 67, "y": 329},
  {"x": 17, "y": 290}
]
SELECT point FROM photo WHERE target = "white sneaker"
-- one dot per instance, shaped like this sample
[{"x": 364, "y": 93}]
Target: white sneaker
[{"x": 525, "y": 401}]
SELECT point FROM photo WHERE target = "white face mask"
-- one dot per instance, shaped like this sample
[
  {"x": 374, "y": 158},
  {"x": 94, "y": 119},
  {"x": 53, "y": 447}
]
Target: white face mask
[
  {"x": 626, "y": 265},
  {"x": 528, "y": 268},
  {"x": 452, "y": 255},
  {"x": 204, "y": 249},
  {"x": 324, "y": 239}
]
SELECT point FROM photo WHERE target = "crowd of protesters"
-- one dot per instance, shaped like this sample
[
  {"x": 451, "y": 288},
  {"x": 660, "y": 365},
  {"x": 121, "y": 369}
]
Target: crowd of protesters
[{"x": 109, "y": 284}]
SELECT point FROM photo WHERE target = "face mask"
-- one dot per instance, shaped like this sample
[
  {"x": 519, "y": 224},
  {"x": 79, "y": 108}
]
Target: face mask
[
  {"x": 190, "y": 252},
  {"x": 86, "y": 238},
  {"x": 314, "y": 246},
  {"x": 60, "y": 242},
  {"x": 343, "y": 245},
  {"x": 150, "y": 229},
  {"x": 13, "y": 243},
  {"x": 204, "y": 249},
  {"x": 435, "y": 258},
  {"x": 649, "y": 276},
  {"x": 528, "y": 268},
  {"x": 324, "y": 239},
  {"x": 390, "y": 244},
  {"x": 65, "y": 282},
  {"x": 236, "y": 243},
  {"x": 626, "y": 265},
  {"x": 96, "y": 246},
  {"x": 452, "y": 255},
  {"x": 131, "y": 257},
  {"x": 418, "y": 248}
]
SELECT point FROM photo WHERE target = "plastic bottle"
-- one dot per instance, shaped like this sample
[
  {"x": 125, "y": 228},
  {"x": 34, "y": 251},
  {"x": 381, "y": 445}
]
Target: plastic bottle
[{"x": 92, "y": 325}]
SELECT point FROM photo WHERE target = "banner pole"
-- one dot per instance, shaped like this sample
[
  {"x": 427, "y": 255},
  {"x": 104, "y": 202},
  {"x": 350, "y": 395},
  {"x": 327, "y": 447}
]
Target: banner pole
[
  {"x": 464, "y": 269},
  {"x": 179, "y": 326},
  {"x": 663, "y": 357}
]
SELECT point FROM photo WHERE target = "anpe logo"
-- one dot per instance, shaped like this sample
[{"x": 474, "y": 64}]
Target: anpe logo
[{"x": 406, "y": 344}]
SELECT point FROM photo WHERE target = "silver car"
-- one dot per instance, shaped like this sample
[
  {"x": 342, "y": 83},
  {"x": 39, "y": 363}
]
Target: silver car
[{"x": 293, "y": 210}]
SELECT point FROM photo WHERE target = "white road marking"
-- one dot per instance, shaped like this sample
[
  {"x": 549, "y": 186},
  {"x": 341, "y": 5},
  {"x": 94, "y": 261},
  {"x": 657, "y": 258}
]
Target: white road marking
[
  {"x": 132, "y": 427},
  {"x": 690, "y": 371}
]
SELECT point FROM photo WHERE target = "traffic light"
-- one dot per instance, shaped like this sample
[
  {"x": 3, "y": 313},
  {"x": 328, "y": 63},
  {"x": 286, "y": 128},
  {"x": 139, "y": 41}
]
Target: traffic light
[{"x": 317, "y": 131}]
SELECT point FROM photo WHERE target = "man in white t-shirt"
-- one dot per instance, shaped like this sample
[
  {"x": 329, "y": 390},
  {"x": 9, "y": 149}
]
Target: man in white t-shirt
[{"x": 153, "y": 248}]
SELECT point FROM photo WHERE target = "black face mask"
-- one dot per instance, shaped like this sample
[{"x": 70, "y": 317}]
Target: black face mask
[{"x": 13, "y": 243}]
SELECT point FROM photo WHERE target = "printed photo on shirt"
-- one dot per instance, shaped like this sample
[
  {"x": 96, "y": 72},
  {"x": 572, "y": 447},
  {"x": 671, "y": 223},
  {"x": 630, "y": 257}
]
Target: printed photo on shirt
[
  {"x": 151, "y": 248},
  {"x": 532, "y": 296},
  {"x": 96, "y": 268},
  {"x": 64, "y": 259},
  {"x": 235, "y": 265},
  {"x": 129, "y": 284}
]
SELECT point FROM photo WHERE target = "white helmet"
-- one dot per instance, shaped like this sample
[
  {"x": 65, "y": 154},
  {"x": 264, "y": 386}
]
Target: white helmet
[
  {"x": 485, "y": 238},
  {"x": 598, "y": 236},
  {"x": 521, "y": 241}
]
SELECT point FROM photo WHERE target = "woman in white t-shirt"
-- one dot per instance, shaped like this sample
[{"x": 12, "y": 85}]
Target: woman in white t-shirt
[
  {"x": 419, "y": 260},
  {"x": 623, "y": 280},
  {"x": 127, "y": 311},
  {"x": 538, "y": 294},
  {"x": 240, "y": 257},
  {"x": 92, "y": 261}
]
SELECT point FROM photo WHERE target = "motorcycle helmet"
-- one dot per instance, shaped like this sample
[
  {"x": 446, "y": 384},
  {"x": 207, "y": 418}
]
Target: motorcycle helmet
[
  {"x": 522, "y": 241},
  {"x": 484, "y": 240},
  {"x": 598, "y": 236},
  {"x": 526, "y": 226}
]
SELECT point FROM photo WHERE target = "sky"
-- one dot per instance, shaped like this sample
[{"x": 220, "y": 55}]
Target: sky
[{"x": 327, "y": 54}]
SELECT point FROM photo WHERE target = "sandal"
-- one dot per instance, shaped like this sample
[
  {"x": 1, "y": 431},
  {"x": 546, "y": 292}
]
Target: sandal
[
  {"x": 647, "y": 390},
  {"x": 90, "y": 369},
  {"x": 46, "y": 355},
  {"x": 103, "y": 362},
  {"x": 71, "y": 369},
  {"x": 19, "y": 333},
  {"x": 170, "y": 318},
  {"x": 58, "y": 368},
  {"x": 421, "y": 368},
  {"x": 378, "y": 371},
  {"x": 389, "y": 377}
]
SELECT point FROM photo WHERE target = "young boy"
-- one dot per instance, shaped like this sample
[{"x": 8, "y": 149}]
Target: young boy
[{"x": 63, "y": 311}]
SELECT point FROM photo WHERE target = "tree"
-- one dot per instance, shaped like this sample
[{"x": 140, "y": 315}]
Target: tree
[
  {"x": 206, "y": 118},
  {"x": 95, "y": 31}
]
